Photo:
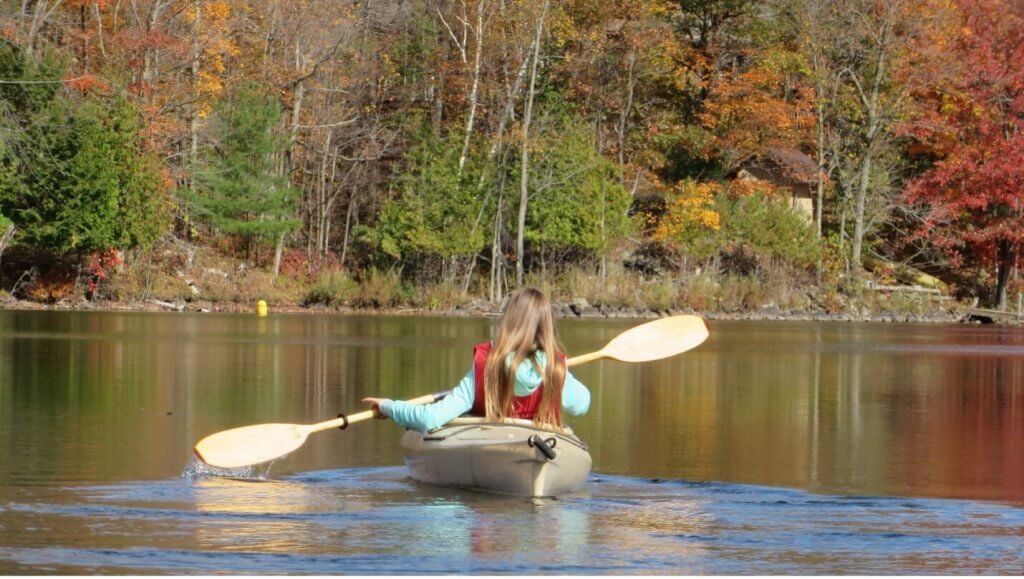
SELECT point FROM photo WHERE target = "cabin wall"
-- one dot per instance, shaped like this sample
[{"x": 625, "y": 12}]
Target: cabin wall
[{"x": 802, "y": 199}]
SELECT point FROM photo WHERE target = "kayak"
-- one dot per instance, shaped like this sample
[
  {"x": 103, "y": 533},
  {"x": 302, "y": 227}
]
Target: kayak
[{"x": 512, "y": 457}]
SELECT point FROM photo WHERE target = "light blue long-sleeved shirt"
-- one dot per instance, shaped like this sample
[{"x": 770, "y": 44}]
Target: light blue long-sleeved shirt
[{"x": 426, "y": 417}]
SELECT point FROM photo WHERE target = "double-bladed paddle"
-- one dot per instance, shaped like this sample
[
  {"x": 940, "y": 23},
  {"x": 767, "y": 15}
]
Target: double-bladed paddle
[{"x": 249, "y": 445}]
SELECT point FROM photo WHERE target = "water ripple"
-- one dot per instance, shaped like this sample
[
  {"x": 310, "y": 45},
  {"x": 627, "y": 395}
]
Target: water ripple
[{"x": 375, "y": 520}]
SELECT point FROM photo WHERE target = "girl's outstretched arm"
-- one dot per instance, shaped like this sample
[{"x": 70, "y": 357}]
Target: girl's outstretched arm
[{"x": 426, "y": 417}]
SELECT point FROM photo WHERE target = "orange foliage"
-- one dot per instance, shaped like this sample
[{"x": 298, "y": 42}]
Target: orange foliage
[
  {"x": 738, "y": 188},
  {"x": 217, "y": 45},
  {"x": 52, "y": 286},
  {"x": 752, "y": 110},
  {"x": 77, "y": 4},
  {"x": 87, "y": 83}
]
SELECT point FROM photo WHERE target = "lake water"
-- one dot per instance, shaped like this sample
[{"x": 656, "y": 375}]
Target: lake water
[{"x": 775, "y": 447}]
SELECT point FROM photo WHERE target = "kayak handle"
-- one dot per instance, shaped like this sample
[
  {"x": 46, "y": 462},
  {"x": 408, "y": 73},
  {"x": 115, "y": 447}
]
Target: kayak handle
[{"x": 537, "y": 442}]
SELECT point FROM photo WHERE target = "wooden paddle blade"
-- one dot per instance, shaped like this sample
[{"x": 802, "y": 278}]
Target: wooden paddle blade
[
  {"x": 658, "y": 339},
  {"x": 250, "y": 445}
]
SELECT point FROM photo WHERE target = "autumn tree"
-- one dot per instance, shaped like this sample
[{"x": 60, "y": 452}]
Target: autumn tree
[
  {"x": 691, "y": 218},
  {"x": 975, "y": 129},
  {"x": 498, "y": 137},
  {"x": 887, "y": 50},
  {"x": 760, "y": 106},
  {"x": 818, "y": 37}
]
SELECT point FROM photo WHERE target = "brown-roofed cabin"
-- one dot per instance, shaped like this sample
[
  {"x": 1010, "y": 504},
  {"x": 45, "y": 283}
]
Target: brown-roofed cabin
[{"x": 787, "y": 168}]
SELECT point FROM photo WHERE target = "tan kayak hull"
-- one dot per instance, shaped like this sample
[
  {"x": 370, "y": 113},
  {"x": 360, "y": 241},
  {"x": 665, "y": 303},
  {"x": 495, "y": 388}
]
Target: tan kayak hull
[{"x": 497, "y": 457}]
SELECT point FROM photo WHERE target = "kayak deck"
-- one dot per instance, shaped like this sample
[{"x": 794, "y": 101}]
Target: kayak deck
[{"x": 512, "y": 457}]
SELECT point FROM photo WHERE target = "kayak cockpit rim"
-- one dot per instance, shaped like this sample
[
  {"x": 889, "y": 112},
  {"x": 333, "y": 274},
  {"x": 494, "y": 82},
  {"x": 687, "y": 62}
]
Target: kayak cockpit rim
[{"x": 471, "y": 422}]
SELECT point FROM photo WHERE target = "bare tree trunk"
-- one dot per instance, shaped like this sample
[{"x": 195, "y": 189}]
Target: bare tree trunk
[
  {"x": 321, "y": 202},
  {"x": 332, "y": 197},
  {"x": 149, "y": 58},
  {"x": 6, "y": 237},
  {"x": 820, "y": 177},
  {"x": 624, "y": 117},
  {"x": 842, "y": 222},
  {"x": 524, "y": 168},
  {"x": 507, "y": 114},
  {"x": 604, "y": 249},
  {"x": 496, "y": 255},
  {"x": 193, "y": 126},
  {"x": 348, "y": 225},
  {"x": 99, "y": 30},
  {"x": 437, "y": 100},
  {"x": 289, "y": 155},
  {"x": 268, "y": 40},
  {"x": 278, "y": 250},
  {"x": 858, "y": 211},
  {"x": 509, "y": 110},
  {"x": 1007, "y": 256},
  {"x": 43, "y": 11},
  {"x": 874, "y": 122},
  {"x": 300, "y": 90},
  {"x": 479, "y": 33}
]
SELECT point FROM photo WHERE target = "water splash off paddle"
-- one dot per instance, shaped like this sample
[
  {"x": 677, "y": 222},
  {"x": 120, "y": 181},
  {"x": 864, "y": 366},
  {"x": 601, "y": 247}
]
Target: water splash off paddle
[{"x": 196, "y": 469}]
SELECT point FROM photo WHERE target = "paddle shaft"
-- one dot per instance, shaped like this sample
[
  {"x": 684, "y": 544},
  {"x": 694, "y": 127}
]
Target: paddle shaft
[
  {"x": 584, "y": 358},
  {"x": 368, "y": 414}
]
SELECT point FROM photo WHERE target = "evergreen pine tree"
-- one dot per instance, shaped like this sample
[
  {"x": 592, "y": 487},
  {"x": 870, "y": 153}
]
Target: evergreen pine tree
[{"x": 241, "y": 188}]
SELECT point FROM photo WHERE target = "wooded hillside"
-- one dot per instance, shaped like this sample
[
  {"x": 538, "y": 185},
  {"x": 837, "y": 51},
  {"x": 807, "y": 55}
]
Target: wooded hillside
[{"x": 689, "y": 153}]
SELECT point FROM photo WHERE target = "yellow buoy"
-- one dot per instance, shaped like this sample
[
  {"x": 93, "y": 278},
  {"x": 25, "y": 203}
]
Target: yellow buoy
[{"x": 261, "y": 308}]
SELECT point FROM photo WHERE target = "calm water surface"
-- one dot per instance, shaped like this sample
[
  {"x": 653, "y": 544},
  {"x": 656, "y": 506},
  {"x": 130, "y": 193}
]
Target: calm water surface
[{"x": 773, "y": 448}]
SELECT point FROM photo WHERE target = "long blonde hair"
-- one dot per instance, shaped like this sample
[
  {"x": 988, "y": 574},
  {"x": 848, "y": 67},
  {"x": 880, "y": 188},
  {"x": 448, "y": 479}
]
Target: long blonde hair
[{"x": 526, "y": 328}]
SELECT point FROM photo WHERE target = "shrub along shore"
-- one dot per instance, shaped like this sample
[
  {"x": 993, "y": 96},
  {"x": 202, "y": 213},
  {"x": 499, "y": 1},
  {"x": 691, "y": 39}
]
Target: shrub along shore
[{"x": 206, "y": 280}]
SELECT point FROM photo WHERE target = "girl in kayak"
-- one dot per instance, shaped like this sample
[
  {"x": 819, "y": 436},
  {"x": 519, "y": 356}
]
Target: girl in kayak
[{"x": 511, "y": 378}]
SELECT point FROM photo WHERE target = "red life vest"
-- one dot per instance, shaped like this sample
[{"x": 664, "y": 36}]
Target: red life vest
[{"x": 522, "y": 406}]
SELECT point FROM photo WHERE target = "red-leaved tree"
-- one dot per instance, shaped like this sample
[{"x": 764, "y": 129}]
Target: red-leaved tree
[{"x": 974, "y": 194}]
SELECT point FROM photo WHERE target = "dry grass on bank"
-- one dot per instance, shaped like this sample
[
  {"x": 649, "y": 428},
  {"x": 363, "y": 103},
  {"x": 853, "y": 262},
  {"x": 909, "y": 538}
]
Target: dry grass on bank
[
  {"x": 376, "y": 289},
  {"x": 700, "y": 290},
  {"x": 172, "y": 275}
]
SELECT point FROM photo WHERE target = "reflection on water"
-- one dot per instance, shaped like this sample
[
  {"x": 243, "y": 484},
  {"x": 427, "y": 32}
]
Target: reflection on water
[
  {"x": 90, "y": 400},
  {"x": 907, "y": 410},
  {"x": 369, "y": 520}
]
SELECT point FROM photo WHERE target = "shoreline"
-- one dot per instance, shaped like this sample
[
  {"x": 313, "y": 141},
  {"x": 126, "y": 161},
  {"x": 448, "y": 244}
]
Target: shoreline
[{"x": 577, "y": 309}]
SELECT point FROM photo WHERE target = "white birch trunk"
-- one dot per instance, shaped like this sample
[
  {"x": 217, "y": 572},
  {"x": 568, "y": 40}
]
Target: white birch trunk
[
  {"x": 479, "y": 33},
  {"x": 525, "y": 157}
]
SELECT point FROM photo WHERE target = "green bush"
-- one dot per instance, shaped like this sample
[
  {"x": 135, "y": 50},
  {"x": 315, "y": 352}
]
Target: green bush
[
  {"x": 769, "y": 226},
  {"x": 577, "y": 201},
  {"x": 436, "y": 212},
  {"x": 333, "y": 289}
]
